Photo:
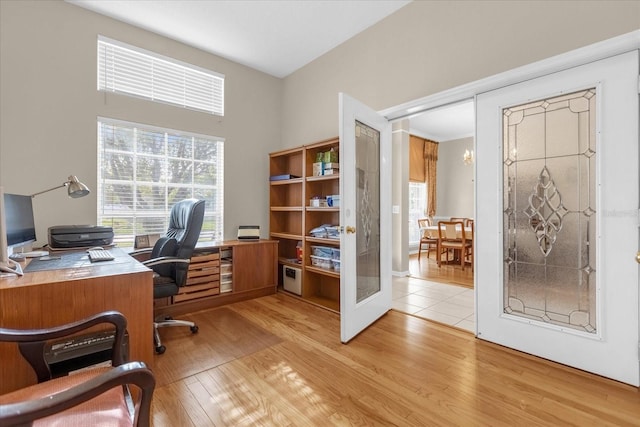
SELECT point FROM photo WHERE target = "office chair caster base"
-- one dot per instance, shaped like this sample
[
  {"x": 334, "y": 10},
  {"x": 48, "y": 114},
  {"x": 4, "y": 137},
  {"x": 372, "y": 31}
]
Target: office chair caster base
[
  {"x": 161, "y": 349},
  {"x": 194, "y": 329}
]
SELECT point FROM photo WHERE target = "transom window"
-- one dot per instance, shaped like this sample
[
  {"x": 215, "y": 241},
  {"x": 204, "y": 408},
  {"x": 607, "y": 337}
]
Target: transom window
[
  {"x": 132, "y": 71},
  {"x": 144, "y": 170}
]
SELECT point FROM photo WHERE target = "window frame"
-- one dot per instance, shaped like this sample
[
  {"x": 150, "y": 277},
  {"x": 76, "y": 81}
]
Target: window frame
[{"x": 213, "y": 227}]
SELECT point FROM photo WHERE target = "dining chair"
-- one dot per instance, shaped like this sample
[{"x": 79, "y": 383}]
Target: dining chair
[
  {"x": 470, "y": 223},
  {"x": 452, "y": 236},
  {"x": 456, "y": 219},
  {"x": 426, "y": 238}
]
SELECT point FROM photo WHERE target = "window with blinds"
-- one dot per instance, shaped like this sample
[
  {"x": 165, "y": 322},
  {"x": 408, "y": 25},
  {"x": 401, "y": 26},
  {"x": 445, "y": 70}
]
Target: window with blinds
[
  {"x": 417, "y": 209},
  {"x": 143, "y": 171},
  {"x": 136, "y": 72}
]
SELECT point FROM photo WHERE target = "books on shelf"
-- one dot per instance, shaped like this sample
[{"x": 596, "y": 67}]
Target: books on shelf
[{"x": 282, "y": 177}]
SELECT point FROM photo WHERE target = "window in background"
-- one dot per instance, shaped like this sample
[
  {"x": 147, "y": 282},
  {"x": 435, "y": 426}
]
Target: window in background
[
  {"x": 129, "y": 70},
  {"x": 143, "y": 171},
  {"x": 417, "y": 209}
]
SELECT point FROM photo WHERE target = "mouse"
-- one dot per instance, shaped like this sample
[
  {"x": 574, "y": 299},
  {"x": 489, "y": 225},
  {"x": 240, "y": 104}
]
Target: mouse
[
  {"x": 17, "y": 257},
  {"x": 95, "y": 248}
]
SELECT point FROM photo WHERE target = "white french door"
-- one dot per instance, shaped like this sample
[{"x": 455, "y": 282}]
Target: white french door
[
  {"x": 365, "y": 216},
  {"x": 557, "y": 220}
]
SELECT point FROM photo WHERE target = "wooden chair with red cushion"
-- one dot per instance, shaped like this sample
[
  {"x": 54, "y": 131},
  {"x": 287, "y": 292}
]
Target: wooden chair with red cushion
[{"x": 90, "y": 397}]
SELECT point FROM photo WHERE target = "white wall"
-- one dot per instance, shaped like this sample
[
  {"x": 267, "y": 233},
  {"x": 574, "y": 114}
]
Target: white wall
[
  {"x": 429, "y": 46},
  {"x": 455, "y": 180},
  {"x": 49, "y": 104}
]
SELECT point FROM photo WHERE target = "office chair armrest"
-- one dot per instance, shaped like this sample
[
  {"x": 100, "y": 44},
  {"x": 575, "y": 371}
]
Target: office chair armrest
[
  {"x": 165, "y": 260},
  {"x": 133, "y": 373},
  {"x": 31, "y": 342},
  {"x": 141, "y": 251}
]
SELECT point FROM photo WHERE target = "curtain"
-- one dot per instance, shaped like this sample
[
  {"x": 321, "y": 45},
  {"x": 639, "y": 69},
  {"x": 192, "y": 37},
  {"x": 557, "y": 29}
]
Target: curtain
[
  {"x": 416, "y": 159},
  {"x": 430, "y": 166}
]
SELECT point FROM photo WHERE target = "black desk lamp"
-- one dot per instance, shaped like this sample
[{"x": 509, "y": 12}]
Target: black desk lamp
[{"x": 75, "y": 188}]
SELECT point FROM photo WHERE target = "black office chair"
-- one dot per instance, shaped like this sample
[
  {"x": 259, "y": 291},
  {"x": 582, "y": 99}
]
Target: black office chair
[{"x": 170, "y": 258}]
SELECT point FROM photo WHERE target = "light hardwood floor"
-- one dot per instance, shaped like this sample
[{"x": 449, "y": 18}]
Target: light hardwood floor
[
  {"x": 277, "y": 361},
  {"x": 427, "y": 268}
]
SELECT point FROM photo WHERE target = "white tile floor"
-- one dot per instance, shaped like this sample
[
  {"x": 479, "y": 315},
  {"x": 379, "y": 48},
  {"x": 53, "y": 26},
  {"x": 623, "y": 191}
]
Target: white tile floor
[{"x": 444, "y": 303}]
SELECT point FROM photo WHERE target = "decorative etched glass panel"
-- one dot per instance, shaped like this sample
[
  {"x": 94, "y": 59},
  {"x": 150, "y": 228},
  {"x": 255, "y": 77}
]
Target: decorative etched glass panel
[
  {"x": 549, "y": 175},
  {"x": 368, "y": 208}
]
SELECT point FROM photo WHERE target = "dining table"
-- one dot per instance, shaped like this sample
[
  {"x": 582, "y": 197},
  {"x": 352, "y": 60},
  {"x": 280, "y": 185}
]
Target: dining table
[{"x": 432, "y": 232}]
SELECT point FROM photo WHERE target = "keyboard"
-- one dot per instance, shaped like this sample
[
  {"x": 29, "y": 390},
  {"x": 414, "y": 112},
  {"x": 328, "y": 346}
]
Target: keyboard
[{"x": 97, "y": 255}]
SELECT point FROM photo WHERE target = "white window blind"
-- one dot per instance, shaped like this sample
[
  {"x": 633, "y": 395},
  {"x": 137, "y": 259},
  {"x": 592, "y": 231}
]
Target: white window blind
[
  {"x": 143, "y": 171},
  {"x": 133, "y": 71}
]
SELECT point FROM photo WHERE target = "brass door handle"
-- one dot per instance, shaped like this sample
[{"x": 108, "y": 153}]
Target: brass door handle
[
  {"x": 638, "y": 257},
  {"x": 352, "y": 230}
]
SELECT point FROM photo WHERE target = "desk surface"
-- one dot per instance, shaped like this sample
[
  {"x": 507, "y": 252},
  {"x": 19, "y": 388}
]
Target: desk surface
[
  {"x": 122, "y": 264},
  {"x": 43, "y": 299}
]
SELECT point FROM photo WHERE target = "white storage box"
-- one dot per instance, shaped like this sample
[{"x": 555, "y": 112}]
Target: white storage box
[
  {"x": 333, "y": 232},
  {"x": 225, "y": 267},
  {"x": 226, "y": 286},
  {"x": 321, "y": 262},
  {"x": 292, "y": 279},
  {"x": 336, "y": 264},
  {"x": 321, "y": 251},
  {"x": 331, "y": 172},
  {"x": 318, "y": 203},
  {"x": 333, "y": 200}
]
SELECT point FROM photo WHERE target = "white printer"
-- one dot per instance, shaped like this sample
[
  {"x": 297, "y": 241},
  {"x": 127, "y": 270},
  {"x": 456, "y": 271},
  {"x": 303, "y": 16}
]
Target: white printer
[{"x": 249, "y": 232}]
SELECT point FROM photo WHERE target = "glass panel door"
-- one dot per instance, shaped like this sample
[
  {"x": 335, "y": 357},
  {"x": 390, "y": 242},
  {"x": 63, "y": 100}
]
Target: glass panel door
[
  {"x": 365, "y": 217},
  {"x": 557, "y": 189}
]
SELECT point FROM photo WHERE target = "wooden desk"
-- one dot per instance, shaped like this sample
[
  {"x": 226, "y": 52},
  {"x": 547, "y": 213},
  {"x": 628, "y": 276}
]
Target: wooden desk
[
  {"x": 254, "y": 273},
  {"x": 42, "y": 299}
]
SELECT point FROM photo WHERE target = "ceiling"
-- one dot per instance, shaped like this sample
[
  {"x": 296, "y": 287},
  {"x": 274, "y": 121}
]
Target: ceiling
[
  {"x": 273, "y": 36},
  {"x": 276, "y": 37},
  {"x": 445, "y": 123}
]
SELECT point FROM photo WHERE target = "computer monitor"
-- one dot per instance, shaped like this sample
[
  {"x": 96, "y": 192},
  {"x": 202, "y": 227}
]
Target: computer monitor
[
  {"x": 6, "y": 265},
  {"x": 18, "y": 213}
]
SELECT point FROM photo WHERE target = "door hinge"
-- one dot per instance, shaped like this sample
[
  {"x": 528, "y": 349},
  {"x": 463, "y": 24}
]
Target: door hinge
[{"x": 638, "y": 84}]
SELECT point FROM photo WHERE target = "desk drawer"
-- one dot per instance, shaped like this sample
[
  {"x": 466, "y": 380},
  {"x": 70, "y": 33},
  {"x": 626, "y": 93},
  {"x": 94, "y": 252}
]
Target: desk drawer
[
  {"x": 203, "y": 277},
  {"x": 197, "y": 291}
]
